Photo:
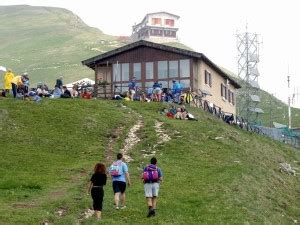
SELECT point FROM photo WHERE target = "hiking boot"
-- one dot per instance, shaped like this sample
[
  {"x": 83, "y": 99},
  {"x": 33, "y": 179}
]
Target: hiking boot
[{"x": 151, "y": 213}]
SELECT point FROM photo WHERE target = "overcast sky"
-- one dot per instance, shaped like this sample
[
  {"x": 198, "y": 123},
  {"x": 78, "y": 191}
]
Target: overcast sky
[{"x": 210, "y": 27}]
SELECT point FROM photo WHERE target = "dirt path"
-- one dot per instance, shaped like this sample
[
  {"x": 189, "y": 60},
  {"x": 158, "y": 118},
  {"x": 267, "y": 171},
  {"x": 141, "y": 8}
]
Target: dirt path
[
  {"x": 114, "y": 137},
  {"x": 131, "y": 140},
  {"x": 162, "y": 136}
]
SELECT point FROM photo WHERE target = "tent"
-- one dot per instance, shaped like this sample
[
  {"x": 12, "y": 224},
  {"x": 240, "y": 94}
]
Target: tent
[
  {"x": 82, "y": 82},
  {"x": 2, "y": 70}
]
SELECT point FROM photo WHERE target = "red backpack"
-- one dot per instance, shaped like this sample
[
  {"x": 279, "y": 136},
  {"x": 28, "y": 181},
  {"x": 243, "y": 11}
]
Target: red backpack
[{"x": 150, "y": 173}]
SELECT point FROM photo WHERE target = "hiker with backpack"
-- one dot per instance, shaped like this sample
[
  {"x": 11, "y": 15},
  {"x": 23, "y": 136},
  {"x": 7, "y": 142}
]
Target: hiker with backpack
[
  {"x": 151, "y": 176},
  {"x": 119, "y": 173}
]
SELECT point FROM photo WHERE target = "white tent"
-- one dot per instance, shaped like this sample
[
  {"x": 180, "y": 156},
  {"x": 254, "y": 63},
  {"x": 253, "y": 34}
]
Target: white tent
[
  {"x": 2, "y": 69},
  {"x": 82, "y": 82}
]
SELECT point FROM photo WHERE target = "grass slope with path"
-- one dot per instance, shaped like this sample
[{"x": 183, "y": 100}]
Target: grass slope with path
[{"x": 214, "y": 173}]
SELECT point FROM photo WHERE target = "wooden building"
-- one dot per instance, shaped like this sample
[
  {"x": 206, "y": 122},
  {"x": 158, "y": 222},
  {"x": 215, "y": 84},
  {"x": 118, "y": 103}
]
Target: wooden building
[{"x": 148, "y": 62}]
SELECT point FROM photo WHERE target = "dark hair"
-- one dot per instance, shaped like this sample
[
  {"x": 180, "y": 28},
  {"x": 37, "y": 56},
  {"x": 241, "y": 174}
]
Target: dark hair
[
  {"x": 153, "y": 161},
  {"x": 119, "y": 156},
  {"x": 100, "y": 168}
]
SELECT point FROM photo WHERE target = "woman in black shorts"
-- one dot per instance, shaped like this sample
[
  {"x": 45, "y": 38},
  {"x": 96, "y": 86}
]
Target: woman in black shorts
[{"x": 98, "y": 180}]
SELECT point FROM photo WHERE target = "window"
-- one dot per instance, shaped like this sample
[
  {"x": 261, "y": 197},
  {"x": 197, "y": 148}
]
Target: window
[
  {"x": 164, "y": 83},
  {"x": 223, "y": 91},
  {"x": 231, "y": 97},
  {"x": 162, "y": 69},
  {"x": 170, "y": 83},
  {"x": 149, "y": 70},
  {"x": 169, "y": 22},
  {"x": 207, "y": 78},
  {"x": 116, "y": 72},
  {"x": 137, "y": 71},
  {"x": 156, "y": 32},
  {"x": 184, "y": 68},
  {"x": 173, "y": 68},
  {"x": 149, "y": 84},
  {"x": 185, "y": 83},
  {"x": 156, "y": 21},
  {"x": 125, "y": 71}
]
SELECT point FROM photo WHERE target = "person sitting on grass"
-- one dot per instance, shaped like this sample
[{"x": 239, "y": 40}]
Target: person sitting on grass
[
  {"x": 56, "y": 92},
  {"x": 66, "y": 93},
  {"x": 86, "y": 94}
]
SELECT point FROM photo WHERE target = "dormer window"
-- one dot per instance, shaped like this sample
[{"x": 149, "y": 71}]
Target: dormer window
[
  {"x": 156, "y": 21},
  {"x": 169, "y": 22}
]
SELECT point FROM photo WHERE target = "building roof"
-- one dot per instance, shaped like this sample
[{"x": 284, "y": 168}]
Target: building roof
[
  {"x": 149, "y": 14},
  {"x": 91, "y": 62}
]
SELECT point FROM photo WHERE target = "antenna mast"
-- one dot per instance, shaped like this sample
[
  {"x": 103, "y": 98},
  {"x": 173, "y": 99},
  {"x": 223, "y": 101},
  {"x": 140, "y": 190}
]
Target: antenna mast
[{"x": 248, "y": 58}]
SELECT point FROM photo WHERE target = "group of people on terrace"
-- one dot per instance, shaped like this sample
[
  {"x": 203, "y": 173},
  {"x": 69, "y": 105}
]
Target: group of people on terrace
[
  {"x": 18, "y": 86},
  {"x": 155, "y": 93}
]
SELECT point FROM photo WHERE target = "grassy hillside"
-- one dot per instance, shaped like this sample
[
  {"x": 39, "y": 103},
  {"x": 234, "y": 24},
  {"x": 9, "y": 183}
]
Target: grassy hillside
[
  {"x": 48, "y": 42},
  {"x": 214, "y": 173}
]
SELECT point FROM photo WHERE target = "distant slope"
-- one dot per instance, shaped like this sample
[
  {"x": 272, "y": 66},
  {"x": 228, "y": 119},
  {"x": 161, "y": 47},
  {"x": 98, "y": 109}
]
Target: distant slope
[
  {"x": 48, "y": 42},
  {"x": 274, "y": 109}
]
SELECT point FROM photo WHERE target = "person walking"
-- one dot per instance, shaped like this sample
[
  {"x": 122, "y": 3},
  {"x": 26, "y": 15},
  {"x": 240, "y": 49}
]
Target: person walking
[
  {"x": 98, "y": 180},
  {"x": 152, "y": 176},
  {"x": 119, "y": 173}
]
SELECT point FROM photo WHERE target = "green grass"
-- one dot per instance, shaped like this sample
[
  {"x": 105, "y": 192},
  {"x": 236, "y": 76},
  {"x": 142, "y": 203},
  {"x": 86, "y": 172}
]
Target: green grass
[{"x": 48, "y": 152}]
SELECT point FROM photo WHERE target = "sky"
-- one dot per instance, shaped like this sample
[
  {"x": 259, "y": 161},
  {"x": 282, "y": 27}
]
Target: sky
[{"x": 210, "y": 27}]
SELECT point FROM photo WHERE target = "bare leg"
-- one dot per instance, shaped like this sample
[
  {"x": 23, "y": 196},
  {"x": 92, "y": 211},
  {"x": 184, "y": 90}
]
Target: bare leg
[
  {"x": 154, "y": 201},
  {"x": 122, "y": 197},
  {"x": 117, "y": 197},
  {"x": 149, "y": 202}
]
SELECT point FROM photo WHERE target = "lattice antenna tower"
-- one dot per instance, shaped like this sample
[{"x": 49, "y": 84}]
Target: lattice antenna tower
[{"x": 248, "y": 58}]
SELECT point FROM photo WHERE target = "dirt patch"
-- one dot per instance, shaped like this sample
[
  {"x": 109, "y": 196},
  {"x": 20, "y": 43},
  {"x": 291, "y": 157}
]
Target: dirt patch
[
  {"x": 62, "y": 211},
  {"x": 162, "y": 138},
  {"x": 57, "y": 194},
  {"x": 88, "y": 213},
  {"x": 23, "y": 205},
  {"x": 161, "y": 133},
  {"x": 113, "y": 138},
  {"x": 131, "y": 140}
]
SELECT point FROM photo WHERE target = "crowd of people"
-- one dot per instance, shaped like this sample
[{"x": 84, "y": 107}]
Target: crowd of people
[
  {"x": 156, "y": 93},
  {"x": 151, "y": 177},
  {"x": 18, "y": 86}
]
